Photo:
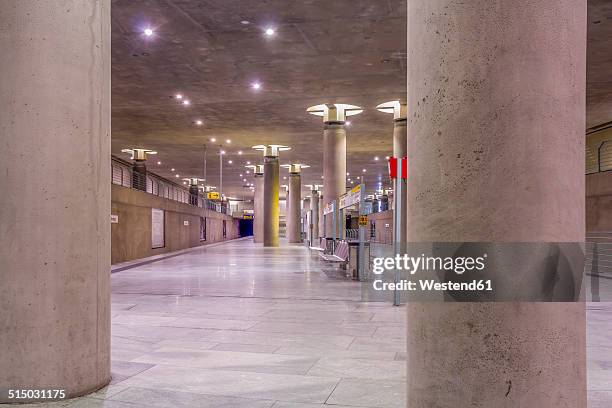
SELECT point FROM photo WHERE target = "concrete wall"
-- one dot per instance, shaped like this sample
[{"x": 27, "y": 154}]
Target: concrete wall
[
  {"x": 384, "y": 234},
  {"x": 131, "y": 236},
  {"x": 599, "y": 202}
]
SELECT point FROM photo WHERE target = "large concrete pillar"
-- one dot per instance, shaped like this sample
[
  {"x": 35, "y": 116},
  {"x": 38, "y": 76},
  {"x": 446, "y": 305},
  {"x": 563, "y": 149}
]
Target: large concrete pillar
[
  {"x": 258, "y": 214},
  {"x": 294, "y": 216},
  {"x": 270, "y": 193},
  {"x": 334, "y": 152},
  {"x": 314, "y": 200},
  {"x": 55, "y": 239},
  {"x": 496, "y": 155}
]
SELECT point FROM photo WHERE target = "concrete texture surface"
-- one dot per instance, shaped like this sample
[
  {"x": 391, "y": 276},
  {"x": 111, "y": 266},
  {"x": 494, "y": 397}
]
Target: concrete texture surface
[
  {"x": 55, "y": 201},
  {"x": 131, "y": 236},
  {"x": 334, "y": 168},
  {"x": 496, "y": 154},
  {"x": 270, "y": 206},
  {"x": 294, "y": 209}
]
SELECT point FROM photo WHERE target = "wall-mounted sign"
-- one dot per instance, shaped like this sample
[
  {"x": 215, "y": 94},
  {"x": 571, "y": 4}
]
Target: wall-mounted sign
[
  {"x": 114, "y": 219},
  {"x": 363, "y": 220},
  {"x": 351, "y": 198},
  {"x": 328, "y": 209},
  {"x": 186, "y": 223},
  {"x": 157, "y": 228},
  {"x": 213, "y": 195}
]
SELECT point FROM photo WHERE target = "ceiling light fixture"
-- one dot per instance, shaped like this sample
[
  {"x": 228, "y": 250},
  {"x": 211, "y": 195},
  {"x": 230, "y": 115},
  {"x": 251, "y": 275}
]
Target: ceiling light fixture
[
  {"x": 148, "y": 32},
  {"x": 228, "y": 141},
  {"x": 239, "y": 151},
  {"x": 178, "y": 175},
  {"x": 376, "y": 158},
  {"x": 248, "y": 162},
  {"x": 171, "y": 169},
  {"x": 270, "y": 31},
  {"x": 178, "y": 96},
  {"x": 256, "y": 86},
  {"x": 158, "y": 162},
  {"x": 199, "y": 122},
  {"x": 186, "y": 102},
  {"x": 364, "y": 170},
  {"x": 212, "y": 139},
  {"x": 230, "y": 161}
]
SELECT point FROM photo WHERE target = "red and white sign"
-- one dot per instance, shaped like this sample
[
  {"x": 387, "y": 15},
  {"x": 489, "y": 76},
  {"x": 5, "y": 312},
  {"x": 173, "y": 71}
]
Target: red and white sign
[{"x": 393, "y": 167}]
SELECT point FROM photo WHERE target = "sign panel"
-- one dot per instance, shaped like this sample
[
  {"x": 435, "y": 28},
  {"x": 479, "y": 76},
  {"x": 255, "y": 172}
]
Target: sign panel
[
  {"x": 212, "y": 195},
  {"x": 351, "y": 198},
  {"x": 114, "y": 219},
  {"x": 363, "y": 220},
  {"x": 157, "y": 228},
  {"x": 186, "y": 223},
  {"x": 328, "y": 209}
]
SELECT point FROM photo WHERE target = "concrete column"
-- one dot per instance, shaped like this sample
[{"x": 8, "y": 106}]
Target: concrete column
[
  {"x": 194, "y": 190},
  {"x": 270, "y": 193},
  {"x": 305, "y": 210},
  {"x": 293, "y": 208},
  {"x": 258, "y": 214},
  {"x": 139, "y": 167},
  {"x": 321, "y": 219},
  {"x": 334, "y": 151},
  {"x": 55, "y": 239},
  {"x": 496, "y": 154},
  {"x": 270, "y": 201},
  {"x": 314, "y": 200}
]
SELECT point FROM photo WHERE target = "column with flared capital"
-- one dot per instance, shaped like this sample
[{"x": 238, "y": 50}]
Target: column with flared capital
[
  {"x": 258, "y": 181},
  {"x": 139, "y": 167},
  {"x": 294, "y": 233},
  {"x": 55, "y": 242},
  {"x": 334, "y": 152},
  {"x": 270, "y": 193},
  {"x": 314, "y": 220},
  {"x": 496, "y": 139}
]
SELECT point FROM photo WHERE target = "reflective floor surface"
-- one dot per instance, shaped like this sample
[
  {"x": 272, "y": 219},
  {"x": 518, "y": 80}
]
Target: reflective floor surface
[{"x": 238, "y": 325}]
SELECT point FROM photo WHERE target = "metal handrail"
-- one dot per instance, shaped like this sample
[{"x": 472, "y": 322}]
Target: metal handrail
[{"x": 123, "y": 175}]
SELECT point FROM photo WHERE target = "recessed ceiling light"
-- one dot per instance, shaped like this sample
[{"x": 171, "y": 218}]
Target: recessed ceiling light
[
  {"x": 198, "y": 122},
  {"x": 376, "y": 158},
  {"x": 222, "y": 151},
  {"x": 230, "y": 161},
  {"x": 240, "y": 175},
  {"x": 351, "y": 182},
  {"x": 348, "y": 174},
  {"x": 387, "y": 157},
  {"x": 245, "y": 22},
  {"x": 228, "y": 141},
  {"x": 171, "y": 169},
  {"x": 158, "y": 162},
  {"x": 178, "y": 96},
  {"x": 148, "y": 32},
  {"x": 178, "y": 175},
  {"x": 284, "y": 177},
  {"x": 248, "y": 172},
  {"x": 364, "y": 170},
  {"x": 239, "y": 151},
  {"x": 186, "y": 102},
  {"x": 256, "y": 85},
  {"x": 245, "y": 180},
  {"x": 184, "y": 182},
  {"x": 248, "y": 162},
  {"x": 270, "y": 31},
  {"x": 212, "y": 139},
  {"x": 348, "y": 123}
]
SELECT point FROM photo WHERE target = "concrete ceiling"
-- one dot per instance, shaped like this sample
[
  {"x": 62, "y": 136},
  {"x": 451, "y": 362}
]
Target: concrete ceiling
[{"x": 347, "y": 51}]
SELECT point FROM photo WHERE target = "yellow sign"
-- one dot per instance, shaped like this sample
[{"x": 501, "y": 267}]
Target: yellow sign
[
  {"x": 363, "y": 220},
  {"x": 212, "y": 195}
]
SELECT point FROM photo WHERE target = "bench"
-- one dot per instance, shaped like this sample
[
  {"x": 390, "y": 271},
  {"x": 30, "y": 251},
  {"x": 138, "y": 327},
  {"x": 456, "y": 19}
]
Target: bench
[
  {"x": 341, "y": 253},
  {"x": 322, "y": 245}
]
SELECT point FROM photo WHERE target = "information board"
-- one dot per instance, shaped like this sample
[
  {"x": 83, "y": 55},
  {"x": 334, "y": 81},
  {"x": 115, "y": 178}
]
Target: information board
[{"x": 157, "y": 228}]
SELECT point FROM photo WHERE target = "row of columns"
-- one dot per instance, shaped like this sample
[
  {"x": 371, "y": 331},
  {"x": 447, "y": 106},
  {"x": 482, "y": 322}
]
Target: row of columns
[{"x": 513, "y": 79}]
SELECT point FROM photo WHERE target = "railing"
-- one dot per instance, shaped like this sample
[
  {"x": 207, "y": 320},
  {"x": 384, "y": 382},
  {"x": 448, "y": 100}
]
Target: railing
[
  {"x": 599, "y": 157},
  {"x": 123, "y": 175}
]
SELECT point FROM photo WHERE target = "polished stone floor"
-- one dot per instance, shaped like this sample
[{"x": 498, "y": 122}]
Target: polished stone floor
[{"x": 236, "y": 325}]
